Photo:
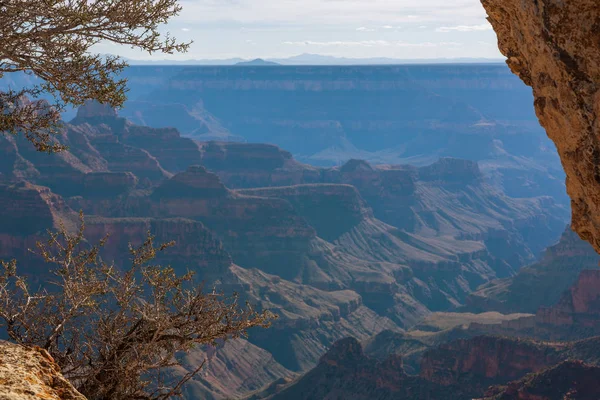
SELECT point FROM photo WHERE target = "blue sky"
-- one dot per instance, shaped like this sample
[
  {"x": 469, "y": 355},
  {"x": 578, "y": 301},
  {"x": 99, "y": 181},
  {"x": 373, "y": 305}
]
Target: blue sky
[{"x": 347, "y": 28}]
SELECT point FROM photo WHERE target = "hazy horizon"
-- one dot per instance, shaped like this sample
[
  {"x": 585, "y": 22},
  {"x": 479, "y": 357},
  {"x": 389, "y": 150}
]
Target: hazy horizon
[{"x": 310, "y": 59}]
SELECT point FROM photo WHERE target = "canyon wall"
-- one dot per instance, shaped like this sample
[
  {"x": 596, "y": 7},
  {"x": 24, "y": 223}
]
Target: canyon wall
[
  {"x": 325, "y": 115},
  {"x": 554, "y": 47}
]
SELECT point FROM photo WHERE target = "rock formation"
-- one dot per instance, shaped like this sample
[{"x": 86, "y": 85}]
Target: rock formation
[
  {"x": 553, "y": 46},
  {"x": 579, "y": 306},
  {"x": 568, "y": 380},
  {"x": 316, "y": 252},
  {"x": 31, "y": 374},
  {"x": 459, "y": 370},
  {"x": 93, "y": 109},
  {"x": 540, "y": 284},
  {"x": 331, "y": 209},
  {"x": 345, "y": 372},
  {"x": 487, "y": 358}
]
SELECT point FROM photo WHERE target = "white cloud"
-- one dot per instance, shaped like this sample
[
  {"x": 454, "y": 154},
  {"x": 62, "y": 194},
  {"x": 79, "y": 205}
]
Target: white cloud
[
  {"x": 387, "y": 27},
  {"x": 365, "y": 29},
  {"x": 185, "y": 29},
  {"x": 371, "y": 43},
  {"x": 465, "y": 28},
  {"x": 361, "y": 43},
  {"x": 424, "y": 44},
  {"x": 333, "y": 12}
]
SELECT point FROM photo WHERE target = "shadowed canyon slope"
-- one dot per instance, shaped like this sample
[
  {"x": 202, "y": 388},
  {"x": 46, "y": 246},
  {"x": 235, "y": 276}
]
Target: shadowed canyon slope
[{"x": 553, "y": 46}]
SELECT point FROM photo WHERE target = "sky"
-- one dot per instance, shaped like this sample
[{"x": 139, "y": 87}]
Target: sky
[{"x": 404, "y": 29}]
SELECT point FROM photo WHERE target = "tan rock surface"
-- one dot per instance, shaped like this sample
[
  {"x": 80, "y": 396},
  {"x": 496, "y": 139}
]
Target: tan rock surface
[
  {"x": 31, "y": 373},
  {"x": 554, "y": 47}
]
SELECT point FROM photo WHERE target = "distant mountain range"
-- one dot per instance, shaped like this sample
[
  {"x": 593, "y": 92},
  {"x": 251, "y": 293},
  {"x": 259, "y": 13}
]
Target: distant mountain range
[
  {"x": 318, "y": 59},
  {"x": 257, "y": 63}
]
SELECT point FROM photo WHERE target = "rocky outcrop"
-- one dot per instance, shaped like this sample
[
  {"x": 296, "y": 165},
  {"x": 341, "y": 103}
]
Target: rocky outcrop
[
  {"x": 568, "y": 380},
  {"x": 259, "y": 232},
  {"x": 310, "y": 320},
  {"x": 231, "y": 371},
  {"x": 195, "y": 182},
  {"x": 120, "y": 157},
  {"x": 93, "y": 109},
  {"x": 487, "y": 358},
  {"x": 458, "y": 370},
  {"x": 27, "y": 209},
  {"x": 195, "y": 247},
  {"x": 540, "y": 284},
  {"x": 331, "y": 209},
  {"x": 447, "y": 198},
  {"x": 345, "y": 372},
  {"x": 108, "y": 184},
  {"x": 553, "y": 47},
  {"x": 100, "y": 143},
  {"x": 30, "y": 373},
  {"x": 579, "y": 306},
  {"x": 173, "y": 152},
  {"x": 576, "y": 316},
  {"x": 452, "y": 172}
]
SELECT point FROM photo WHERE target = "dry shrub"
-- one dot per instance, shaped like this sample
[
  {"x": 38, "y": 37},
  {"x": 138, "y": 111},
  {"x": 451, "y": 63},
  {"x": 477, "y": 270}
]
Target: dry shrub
[{"x": 117, "y": 333}]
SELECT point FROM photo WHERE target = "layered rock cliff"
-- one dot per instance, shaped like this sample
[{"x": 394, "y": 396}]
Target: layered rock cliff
[{"x": 553, "y": 46}]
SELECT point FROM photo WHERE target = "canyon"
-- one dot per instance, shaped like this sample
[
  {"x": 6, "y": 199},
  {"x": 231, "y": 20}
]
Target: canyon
[
  {"x": 478, "y": 360},
  {"x": 400, "y": 265},
  {"x": 552, "y": 46},
  {"x": 325, "y": 115},
  {"x": 346, "y": 251}
]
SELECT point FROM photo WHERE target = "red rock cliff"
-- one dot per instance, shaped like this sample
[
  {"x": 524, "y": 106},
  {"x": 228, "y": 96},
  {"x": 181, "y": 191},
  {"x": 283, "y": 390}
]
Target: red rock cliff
[{"x": 580, "y": 305}]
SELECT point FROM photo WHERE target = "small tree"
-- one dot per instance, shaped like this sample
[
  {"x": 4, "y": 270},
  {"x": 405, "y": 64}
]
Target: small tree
[
  {"x": 52, "y": 40},
  {"x": 116, "y": 333}
]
